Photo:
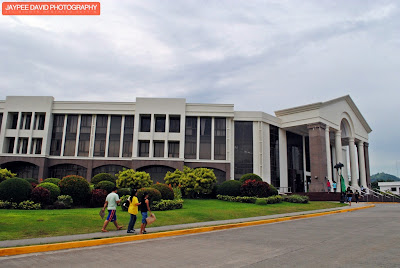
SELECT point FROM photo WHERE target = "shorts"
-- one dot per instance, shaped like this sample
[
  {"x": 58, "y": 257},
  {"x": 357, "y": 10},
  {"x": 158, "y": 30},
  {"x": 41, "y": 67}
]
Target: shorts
[
  {"x": 349, "y": 198},
  {"x": 144, "y": 217},
  {"x": 112, "y": 215}
]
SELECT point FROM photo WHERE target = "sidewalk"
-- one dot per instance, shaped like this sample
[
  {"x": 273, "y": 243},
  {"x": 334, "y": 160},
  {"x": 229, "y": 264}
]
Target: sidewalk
[{"x": 99, "y": 235}]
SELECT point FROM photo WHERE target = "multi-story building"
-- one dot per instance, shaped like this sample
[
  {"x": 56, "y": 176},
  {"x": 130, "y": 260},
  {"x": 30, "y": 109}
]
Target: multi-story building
[{"x": 294, "y": 150}]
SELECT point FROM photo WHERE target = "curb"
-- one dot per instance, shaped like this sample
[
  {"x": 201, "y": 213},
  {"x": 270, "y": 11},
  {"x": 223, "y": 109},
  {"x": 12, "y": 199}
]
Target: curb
[{"x": 114, "y": 240}]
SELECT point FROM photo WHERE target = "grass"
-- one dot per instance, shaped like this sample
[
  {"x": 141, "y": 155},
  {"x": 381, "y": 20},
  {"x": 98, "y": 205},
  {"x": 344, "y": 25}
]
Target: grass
[{"x": 22, "y": 224}]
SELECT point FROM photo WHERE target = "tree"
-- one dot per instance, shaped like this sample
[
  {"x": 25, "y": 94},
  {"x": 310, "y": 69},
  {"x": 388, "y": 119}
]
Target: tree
[
  {"x": 6, "y": 174},
  {"x": 129, "y": 178}
]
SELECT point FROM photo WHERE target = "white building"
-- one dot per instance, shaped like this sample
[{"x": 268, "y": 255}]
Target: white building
[
  {"x": 393, "y": 186},
  {"x": 41, "y": 137}
]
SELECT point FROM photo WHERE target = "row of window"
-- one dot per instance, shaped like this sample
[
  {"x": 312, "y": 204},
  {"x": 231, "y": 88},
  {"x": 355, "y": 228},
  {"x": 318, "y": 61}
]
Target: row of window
[
  {"x": 22, "y": 146},
  {"x": 26, "y": 121},
  {"x": 159, "y": 123},
  {"x": 159, "y": 148}
]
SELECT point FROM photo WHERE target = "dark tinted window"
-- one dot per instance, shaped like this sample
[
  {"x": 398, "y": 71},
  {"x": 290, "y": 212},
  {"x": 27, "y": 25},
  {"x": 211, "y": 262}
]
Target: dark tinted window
[
  {"x": 219, "y": 138},
  {"x": 145, "y": 120},
  {"x": 57, "y": 134},
  {"x": 274, "y": 153},
  {"x": 144, "y": 148},
  {"x": 84, "y": 135},
  {"x": 173, "y": 149},
  {"x": 205, "y": 138},
  {"x": 160, "y": 123},
  {"x": 70, "y": 136},
  {"x": 128, "y": 136},
  {"x": 101, "y": 135},
  {"x": 191, "y": 137},
  {"x": 174, "y": 123},
  {"x": 158, "y": 149},
  {"x": 243, "y": 148},
  {"x": 115, "y": 136}
]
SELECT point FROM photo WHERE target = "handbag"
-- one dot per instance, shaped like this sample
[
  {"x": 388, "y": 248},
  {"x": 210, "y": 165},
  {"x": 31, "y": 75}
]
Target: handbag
[
  {"x": 102, "y": 213},
  {"x": 151, "y": 219}
]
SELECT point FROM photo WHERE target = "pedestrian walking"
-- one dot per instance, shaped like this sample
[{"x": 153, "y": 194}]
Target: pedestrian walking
[
  {"x": 328, "y": 184},
  {"x": 349, "y": 195},
  {"x": 356, "y": 196},
  {"x": 133, "y": 210},
  {"x": 112, "y": 200},
  {"x": 334, "y": 186},
  {"x": 144, "y": 208}
]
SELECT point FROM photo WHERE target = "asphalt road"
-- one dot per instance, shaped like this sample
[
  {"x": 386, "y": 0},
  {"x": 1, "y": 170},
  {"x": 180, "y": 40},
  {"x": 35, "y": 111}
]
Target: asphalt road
[{"x": 363, "y": 238}]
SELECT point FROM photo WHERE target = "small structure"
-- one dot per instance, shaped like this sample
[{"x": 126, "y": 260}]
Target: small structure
[{"x": 390, "y": 186}]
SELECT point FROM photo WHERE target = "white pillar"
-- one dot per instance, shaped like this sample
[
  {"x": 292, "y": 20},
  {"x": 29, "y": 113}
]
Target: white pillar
[
  {"x": 361, "y": 164},
  {"x": 339, "y": 158},
  {"x": 353, "y": 164},
  {"x": 328, "y": 155},
  {"x": 283, "y": 168}
]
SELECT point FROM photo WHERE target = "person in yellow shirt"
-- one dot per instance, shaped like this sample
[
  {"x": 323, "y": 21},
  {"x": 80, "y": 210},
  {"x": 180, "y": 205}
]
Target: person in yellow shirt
[{"x": 133, "y": 210}]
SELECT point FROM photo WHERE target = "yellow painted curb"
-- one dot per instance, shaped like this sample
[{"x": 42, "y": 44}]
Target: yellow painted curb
[{"x": 113, "y": 240}]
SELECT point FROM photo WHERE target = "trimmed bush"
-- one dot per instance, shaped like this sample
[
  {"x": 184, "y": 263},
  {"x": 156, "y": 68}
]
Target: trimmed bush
[
  {"x": 30, "y": 180},
  {"x": 241, "y": 199},
  {"x": 173, "y": 178},
  {"x": 15, "y": 190},
  {"x": 124, "y": 191},
  {"x": 255, "y": 188},
  {"x": 177, "y": 193},
  {"x": 8, "y": 205},
  {"x": 166, "y": 205},
  {"x": 105, "y": 185},
  {"x": 41, "y": 195},
  {"x": 98, "y": 197},
  {"x": 166, "y": 191},
  {"x": 6, "y": 174},
  {"x": 231, "y": 188},
  {"x": 129, "y": 178},
  {"x": 29, "y": 205},
  {"x": 250, "y": 176},
  {"x": 66, "y": 200},
  {"x": 154, "y": 194},
  {"x": 53, "y": 188},
  {"x": 76, "y": 187},
  {"x": 103, "y": 177},
  {"x": 271, "y": 199},
  {"x": 261, "y": 201},
  {"x": 52, "y": 180},
  {"x": 272, "y": 190},
  {"x": 297, "y": 199}
]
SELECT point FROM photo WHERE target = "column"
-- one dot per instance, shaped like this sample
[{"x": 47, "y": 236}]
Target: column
[
  {"x": 338, "y": 151},
  {"x": 353, "y": 166},
  {"x": 318, "y": 161},
  {"x": 283, "y": 168},
  {"x": 361, "y": 163},
  {"x": 367, "y": 171},
  {"x": 328, "y": 155}
]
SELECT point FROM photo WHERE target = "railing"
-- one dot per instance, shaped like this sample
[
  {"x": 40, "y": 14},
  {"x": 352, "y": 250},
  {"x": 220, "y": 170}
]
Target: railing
[
  {"x": 283, "y": 190},
  {"x": 369, "y": 192}
]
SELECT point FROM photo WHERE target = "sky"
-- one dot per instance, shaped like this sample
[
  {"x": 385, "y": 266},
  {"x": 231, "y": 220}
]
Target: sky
[{"x": 258, "y": 55}]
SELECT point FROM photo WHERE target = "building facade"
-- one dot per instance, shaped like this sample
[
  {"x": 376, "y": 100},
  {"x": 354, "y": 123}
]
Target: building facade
[
  {"x": 392, "y": 186},
  {"x": 295, "y": 150}
]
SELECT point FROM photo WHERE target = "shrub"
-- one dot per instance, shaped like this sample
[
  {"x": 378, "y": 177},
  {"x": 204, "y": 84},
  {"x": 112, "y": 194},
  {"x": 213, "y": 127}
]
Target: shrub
[
  {"x": 15, "y": 190},
  {"x": 76, "y": 187},
  {"x": 103, "y": 177},
  {"x": 177, "y": 193},
  {"x": 54, "y": 190},
  {"x": 270, "y": 200},
  {"x": 106, "y": 185},
  {"x": 124, "y": 191},
  {"x": 8, "y": 205},
  {"x": 166, "y": 205},
  {"x": 166, "y": 191},
  {"x": 52, "y": 180},
  {"x": 272, "y": 190},
  {"x": 173, "y": 178},
  {"x": 30, "y": 180},
  {"x": 6, "y": 174},
  {"x": 261, "y": 201},
  {"x": 250, "y": 176},
  {"x": 28, "y": 205},
  {"x": 154, "y": 194},
  {"x": 255, "y": 188},
  {"x": 98, "y": 197},
  {"x": 231, "y": 188},
  {"x": 297, "y": 199},
  {"x": 241, "y": 199},
  {"x": 205, "y": 180},
  {"x": 129, "y": 178},
  {"x": 40, "y": 195},
  {"x": 66, "y": 200}
]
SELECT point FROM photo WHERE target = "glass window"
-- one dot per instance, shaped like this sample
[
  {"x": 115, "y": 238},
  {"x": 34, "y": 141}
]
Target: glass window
[
  {"x": 173, "y": 149},
  {"x": 1, "y": 120},
  {"x": 57, "y": 134},
  {"x": 62, "y": 170},
  {"x": 101, "y": 135},
  {"x": 144, "y": 148},
  {"x": 39, "y": 121},
  {"x": 128, "y": 136},
  {"x": 10, "y": 145},
  {"x": 160, "y": 123},
  {"x": 175, "y": 123},
  {"x": 219, "y": 138},
  {"x": 84, "y": 135},
  {"x": 37, "y": 146},
  {"x": 205, "y": 138},
  {"x": 145, "y": 122},
  {"x": 26, "y": 121},
  {"x": 274, "y": 153},
  {"x": 295, "y": 162},
  {"x": 191, "y": 137},
  {"x": 243, "y": 148},
  {"x": 393, "y": 189},
  {"x": 23, "y": 145},
  {"x": 70, "y": 135},
  {"x": 158, "y": 149},
  {"x": 115, "y": 136},
  {"x": 12, "y": 120},
  {"x": 307, "y": 149}
]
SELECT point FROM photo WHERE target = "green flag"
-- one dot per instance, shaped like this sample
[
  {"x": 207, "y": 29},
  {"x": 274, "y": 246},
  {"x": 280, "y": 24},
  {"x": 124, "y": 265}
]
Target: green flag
[{"x": 342, "y": 184}]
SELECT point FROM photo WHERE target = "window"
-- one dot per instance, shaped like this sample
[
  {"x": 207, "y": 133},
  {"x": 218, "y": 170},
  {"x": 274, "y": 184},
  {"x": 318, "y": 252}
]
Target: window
[
  {"x": 243, "y": 148},
  {"x": 393, "y": 189},
  {"x": 175, "y": 123},
  {"x": 12, "y": 120},
  {"x": 10, "y": 145},
  {"x": 160, "y": 123},
  {"x": 144, "y": 148},
  {"x": 36, "y": 147},
  {"x": 115, "y": 136},
  {"x": 70, "y": 135},
  {"x": 205, "y": 138},
  {"x": 145, "y": 122},
  {"x": 57, "y": 134},
  {"x": 128, "y": 136},
  {"x": 1, "y": 120},
  {"x": 84, "y": 135},
  {"x": 101, "y": 135},
  {"x": 38, "y": 123},
  {"x": 173, "y": 149},
  {"x": 158, "y": 149},
  {"x": 26, "y": 121},
  {"x": 191, "y": 137},
  {"x": 219, "y": 138},
  {"x": 274, "y": 155},
  {"x": 22, "y": 146}
]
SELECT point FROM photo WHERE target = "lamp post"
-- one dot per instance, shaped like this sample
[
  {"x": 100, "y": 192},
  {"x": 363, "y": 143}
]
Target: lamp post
[{"x": 339, "y": 167}]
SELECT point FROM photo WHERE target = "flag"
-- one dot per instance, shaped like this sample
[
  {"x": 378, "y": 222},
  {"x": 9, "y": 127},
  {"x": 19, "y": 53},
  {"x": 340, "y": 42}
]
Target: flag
[{"x": 342, "y": 184}]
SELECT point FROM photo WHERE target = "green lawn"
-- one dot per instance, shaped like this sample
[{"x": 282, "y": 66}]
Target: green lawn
[{"x": 21, "y": 224}]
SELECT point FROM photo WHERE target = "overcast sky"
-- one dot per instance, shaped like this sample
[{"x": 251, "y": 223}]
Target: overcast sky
[{"x": 257, "y": 55}]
